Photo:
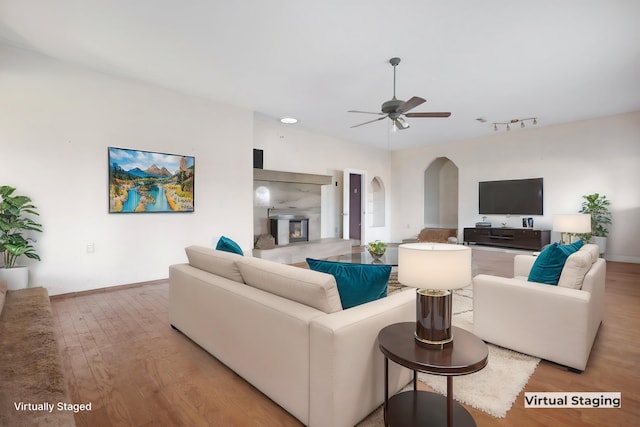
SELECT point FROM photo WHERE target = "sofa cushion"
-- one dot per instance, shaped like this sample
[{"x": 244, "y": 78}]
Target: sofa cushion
[
  {"x": 228, "y": 245},
  {"x": 357, "y": 283},
  {"x": 216, "y": 262},
  {"x": 548, "y": 265},
  {"x": 312, "y": 288},
  {"x": 574, "y": 270}
]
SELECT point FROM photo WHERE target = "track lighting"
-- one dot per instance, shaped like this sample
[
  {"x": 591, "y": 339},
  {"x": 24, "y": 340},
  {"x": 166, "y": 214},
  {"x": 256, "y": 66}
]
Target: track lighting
[{"x": 508, "y": 124}]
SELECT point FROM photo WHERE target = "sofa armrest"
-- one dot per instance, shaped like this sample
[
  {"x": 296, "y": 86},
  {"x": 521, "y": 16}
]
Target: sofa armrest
[
  {"x": 347, "y": 367},
  {"x": 262, "y": 337},
  {"x": 553, "y": 323}
]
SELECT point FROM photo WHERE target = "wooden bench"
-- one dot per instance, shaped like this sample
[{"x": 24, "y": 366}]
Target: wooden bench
[{"x": 33, "y": 390}]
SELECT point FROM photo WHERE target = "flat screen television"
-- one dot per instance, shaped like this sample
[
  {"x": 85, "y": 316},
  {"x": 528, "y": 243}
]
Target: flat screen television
[{"x": 511, "y": 197}]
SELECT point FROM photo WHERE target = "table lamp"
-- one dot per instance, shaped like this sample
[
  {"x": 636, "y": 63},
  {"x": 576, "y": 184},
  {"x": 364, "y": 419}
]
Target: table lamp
[
  {"x": 435, "y": 269},
  {"x": 571, "y": 223}
]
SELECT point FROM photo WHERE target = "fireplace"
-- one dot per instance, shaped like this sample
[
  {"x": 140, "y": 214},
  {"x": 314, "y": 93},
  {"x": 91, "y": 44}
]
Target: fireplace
[
  {"x": 289, "y": 229},
  {"x": 299, "y": 230}
]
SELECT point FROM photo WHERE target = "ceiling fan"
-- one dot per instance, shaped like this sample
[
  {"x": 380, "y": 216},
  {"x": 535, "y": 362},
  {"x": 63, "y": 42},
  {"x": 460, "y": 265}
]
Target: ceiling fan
[{"x": 395, "y": 108}]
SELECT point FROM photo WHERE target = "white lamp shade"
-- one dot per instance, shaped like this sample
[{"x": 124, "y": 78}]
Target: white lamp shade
[
  {"x": 572, "y": 223},
  {"x": 434, "y": 265}
]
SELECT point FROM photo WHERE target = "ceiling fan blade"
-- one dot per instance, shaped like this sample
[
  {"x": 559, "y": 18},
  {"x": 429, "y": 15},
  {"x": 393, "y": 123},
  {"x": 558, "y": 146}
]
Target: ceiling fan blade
[
  {"x": 443, "y": 114},
  {"x": 370, "y": 121},
  {"x": 365, "y": 112},
  {"x": 410, "y": 104},
  {"x": 401, "y": 123}
]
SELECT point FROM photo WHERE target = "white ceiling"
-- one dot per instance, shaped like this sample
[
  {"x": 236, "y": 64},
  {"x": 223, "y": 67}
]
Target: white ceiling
[{"x": 560, "y": 61}]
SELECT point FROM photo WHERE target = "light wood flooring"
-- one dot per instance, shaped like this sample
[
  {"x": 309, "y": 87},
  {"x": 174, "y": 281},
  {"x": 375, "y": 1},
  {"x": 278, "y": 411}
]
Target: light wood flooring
[{"x": 121, "y": 355}]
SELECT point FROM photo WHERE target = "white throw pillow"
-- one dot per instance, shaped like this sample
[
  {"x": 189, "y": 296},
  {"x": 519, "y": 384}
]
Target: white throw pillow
[
  {"x": 308, "y": 287},
  {"x": 216, "y": 262},
  {"x": 592, "y": 249},
  {"x": 574, "y": 270}
]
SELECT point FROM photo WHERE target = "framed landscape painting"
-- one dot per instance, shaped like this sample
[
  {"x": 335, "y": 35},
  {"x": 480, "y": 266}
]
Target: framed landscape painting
[{"x": 144, "y": 181}]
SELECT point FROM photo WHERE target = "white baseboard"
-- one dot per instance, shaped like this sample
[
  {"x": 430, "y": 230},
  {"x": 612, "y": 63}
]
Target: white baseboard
[{"x": 622, "y": 258}]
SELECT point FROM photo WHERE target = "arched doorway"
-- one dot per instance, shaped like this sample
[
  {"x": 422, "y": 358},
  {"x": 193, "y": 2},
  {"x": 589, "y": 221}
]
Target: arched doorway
[
  {"x": 441, "y": 194},
  {"x": 377, "y": 203}
]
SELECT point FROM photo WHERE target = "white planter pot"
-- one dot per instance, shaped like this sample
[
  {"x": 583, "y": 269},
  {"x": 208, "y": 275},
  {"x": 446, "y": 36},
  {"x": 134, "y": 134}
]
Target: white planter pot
[
  {"x": 601, "y": 242},
  {"x": 16, "y": 277}
]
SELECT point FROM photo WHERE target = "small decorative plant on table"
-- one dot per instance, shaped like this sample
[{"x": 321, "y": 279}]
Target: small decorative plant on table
[{"x": 377, "y": 248}]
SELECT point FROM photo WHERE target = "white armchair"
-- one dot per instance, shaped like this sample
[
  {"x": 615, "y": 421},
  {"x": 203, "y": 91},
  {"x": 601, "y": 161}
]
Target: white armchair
[{"x": 555, "y": 323}]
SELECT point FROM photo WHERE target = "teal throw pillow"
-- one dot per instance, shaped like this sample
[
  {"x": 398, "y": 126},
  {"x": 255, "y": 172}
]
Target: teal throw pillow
[
  {"x": 549, "y": 263},
  {"x": 574, "y": 247},
  {"x": 357, "y": 283},
  {"x": 228, "y": 245}
]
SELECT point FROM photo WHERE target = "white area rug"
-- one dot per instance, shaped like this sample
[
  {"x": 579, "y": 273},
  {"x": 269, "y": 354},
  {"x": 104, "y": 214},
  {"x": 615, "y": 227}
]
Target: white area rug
[{"x": 492, "y": 390}]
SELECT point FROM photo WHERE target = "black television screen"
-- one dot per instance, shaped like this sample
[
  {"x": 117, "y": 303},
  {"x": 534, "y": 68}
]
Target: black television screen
[{"x": 511, "y": 197}]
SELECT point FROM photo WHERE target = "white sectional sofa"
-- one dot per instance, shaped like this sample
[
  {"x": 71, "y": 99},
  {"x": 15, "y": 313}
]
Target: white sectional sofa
[
  {"x": 556, "y": 323},
  {"x": 282, "y": 328}
]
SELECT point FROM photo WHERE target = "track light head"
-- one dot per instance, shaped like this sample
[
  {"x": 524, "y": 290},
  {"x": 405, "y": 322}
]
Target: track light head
[{"x": 507, "y": 125}]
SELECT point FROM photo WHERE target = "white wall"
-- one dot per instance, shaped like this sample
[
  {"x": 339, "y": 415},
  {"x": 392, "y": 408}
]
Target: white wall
[
  {"x": 600, "y": 155},
  {"x": 294, "y": 149},
  {"x": 56, "y": 122}
]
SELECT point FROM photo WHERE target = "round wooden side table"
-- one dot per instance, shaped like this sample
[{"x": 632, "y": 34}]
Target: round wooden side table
[{"x": 465, "y": 355}]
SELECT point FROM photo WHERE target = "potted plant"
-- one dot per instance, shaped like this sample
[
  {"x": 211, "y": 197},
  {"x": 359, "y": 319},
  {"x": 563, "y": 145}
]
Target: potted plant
[
  {"x": 377, "y": 248},
  {"x": 15, "y": 221},
  {"x": 597, "y": 205}
]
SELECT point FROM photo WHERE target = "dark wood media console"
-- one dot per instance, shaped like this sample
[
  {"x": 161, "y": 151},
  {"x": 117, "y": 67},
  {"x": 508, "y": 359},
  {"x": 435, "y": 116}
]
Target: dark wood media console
[{"x": 517, "y": 238}]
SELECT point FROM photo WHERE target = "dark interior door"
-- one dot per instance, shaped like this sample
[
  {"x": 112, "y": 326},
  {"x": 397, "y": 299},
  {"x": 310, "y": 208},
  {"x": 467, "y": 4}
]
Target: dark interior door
[{"x": 355, "y": 206}]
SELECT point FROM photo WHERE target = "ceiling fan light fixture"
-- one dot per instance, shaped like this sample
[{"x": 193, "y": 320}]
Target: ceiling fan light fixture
[
  {"x": 288, "y": 120},
  {"x": 401, "y": 123}
]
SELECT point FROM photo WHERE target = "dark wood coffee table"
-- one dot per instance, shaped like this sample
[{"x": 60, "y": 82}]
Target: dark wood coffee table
[{"x": 467, "y": 354}]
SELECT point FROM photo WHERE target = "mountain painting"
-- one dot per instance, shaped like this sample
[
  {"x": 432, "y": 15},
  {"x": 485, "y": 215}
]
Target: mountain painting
[{"x": 144, "y": 181}]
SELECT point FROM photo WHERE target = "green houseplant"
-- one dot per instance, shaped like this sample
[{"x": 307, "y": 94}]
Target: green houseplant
[
  {"x": 15, "y": 221},
  {"x": 597, "y": 205},
  {"x": 377, "y": 248}
]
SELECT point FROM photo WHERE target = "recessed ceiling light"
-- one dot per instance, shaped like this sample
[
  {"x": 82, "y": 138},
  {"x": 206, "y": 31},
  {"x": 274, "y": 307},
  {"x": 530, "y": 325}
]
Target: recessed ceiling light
[{"x": 288, "y": 120}]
